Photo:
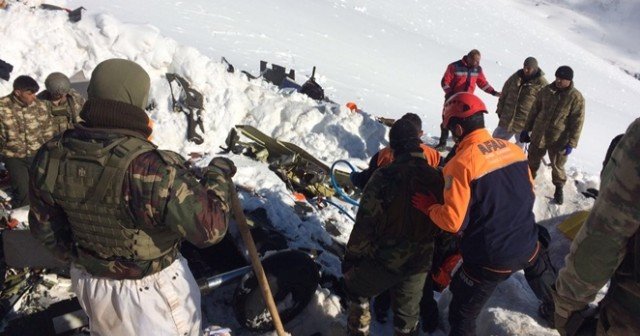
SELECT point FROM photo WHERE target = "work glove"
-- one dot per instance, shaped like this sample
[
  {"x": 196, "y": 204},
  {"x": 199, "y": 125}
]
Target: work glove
[
  {"x": 497, "y": 94},
  {"x": 423, "y": 202},
  {"x": 225, "y": 165},
  {"x": 567, "y": 149},
  {"x": 524, "y": 137}
]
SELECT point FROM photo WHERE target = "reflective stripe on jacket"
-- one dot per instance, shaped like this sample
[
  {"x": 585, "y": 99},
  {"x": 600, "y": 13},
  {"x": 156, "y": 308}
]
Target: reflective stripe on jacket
[{"x": 459, "y": 77}]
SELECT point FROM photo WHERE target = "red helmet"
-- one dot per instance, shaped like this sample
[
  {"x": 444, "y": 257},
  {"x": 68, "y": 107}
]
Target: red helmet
[{"x": 462, "y": 105}]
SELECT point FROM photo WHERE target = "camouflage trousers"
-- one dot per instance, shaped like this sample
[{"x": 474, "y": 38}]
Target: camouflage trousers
[
  {"x": 557, "y": 158},
  {"x": 616, "y": 319},
  {"x": 368, "y": 279}
]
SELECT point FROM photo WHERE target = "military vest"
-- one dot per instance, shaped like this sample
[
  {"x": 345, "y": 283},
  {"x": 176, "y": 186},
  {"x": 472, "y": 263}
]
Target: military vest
[
  {"x": 85, "y": 178},
  {"x": 61, "y": 115}
]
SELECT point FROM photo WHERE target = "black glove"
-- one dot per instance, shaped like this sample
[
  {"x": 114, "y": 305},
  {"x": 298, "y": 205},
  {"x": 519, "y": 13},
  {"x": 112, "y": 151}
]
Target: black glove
[
  {"x": 225, "y": 165},
  {"x": 524, "y": 137}
]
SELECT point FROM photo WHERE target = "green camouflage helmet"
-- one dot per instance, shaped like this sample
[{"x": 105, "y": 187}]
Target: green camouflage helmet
[{"x": 57, "y": 83}]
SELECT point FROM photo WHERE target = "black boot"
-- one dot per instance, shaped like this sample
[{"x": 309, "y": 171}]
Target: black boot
[
  {"x": 444, "y": 135},
  {"x": 558, "y": 196}
]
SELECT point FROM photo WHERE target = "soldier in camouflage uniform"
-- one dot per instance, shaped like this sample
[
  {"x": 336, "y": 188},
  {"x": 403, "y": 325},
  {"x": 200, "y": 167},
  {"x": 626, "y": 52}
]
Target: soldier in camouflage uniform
[
  {"x": 391, "y": 245},
  {"x": 64, "y": 103},
  {"x": 24, "y": 126},
  {"x": 107, "y": 200},
  {"x": 607, "y": 248},
  {"x": 518, "y": 94},
  {"x": 554, "y": 126}
]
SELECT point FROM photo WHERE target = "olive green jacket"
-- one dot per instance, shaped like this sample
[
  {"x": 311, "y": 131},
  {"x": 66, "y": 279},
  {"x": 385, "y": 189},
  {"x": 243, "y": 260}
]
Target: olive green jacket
[
  {"x": 556, "y": 119},
  {"x": 518, "y": 96}
]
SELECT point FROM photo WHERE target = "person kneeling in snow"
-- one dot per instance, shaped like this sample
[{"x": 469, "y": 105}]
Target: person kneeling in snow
[
  {"x": 391, "y": 245},
  {"x": 489, "y": 197},
  {"x": 107, "y": 200}
]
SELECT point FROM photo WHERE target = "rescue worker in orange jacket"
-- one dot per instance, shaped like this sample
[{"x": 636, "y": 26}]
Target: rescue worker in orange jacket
[
  {"x": 385, "y": 156},
  {"x": 488, "y": 201}
]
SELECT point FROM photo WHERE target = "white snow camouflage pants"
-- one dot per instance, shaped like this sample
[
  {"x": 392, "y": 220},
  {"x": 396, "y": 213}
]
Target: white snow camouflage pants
[{"x": 164, "y": 303}]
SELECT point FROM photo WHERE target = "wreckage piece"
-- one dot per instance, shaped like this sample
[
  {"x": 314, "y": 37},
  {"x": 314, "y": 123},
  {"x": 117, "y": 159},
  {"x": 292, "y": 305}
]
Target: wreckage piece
[
  {"x": 75, "y": 15},
  {"x": 303, "y": 171},
  {"x": 293, "y": 277},
  {"x": 5, "y": 70},
  {"x": 191, "y": 103}
]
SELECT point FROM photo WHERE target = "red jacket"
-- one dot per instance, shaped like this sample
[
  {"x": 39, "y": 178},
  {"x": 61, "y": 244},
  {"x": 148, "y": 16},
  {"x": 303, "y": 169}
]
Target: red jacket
[{"x": 459, "y": 77}]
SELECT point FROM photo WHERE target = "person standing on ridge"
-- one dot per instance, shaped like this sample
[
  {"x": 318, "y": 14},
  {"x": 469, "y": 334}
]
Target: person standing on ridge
[
  {"x": 554, "y": 126},
  {"x": 64, "y": 103},
  {"x": 391, "y": 244},
  {"x": 488, "y": 201},
  {"x": 24, "y": 126},
  {"x": 518, "y": 95},
  {"x": 463, "y": 76},
  {"x": 108, "y": 201}
]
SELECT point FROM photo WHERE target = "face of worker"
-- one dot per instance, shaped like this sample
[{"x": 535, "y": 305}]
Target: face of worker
[
  {"x": 26, "y": 97},
  {"x": 474, "y": 61},
  {"x": 562, "y": 83},
  {"x": 528, "y": 71}
]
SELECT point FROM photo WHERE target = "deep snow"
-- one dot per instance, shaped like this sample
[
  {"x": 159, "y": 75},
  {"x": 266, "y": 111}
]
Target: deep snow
[{"x": 386, "y": 57}]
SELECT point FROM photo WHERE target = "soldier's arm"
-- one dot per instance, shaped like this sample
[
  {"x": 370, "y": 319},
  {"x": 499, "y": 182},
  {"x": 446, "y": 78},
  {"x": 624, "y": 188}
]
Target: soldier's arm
[
  {"x": 162, "y": 192},
  {"x": 503, "y": 97},
  {"x": 361, "y": 239},
  {"x": 575, "y": 121},
  {"x": 601, "y": 244},
  {"x": 360, "y": 179},
  {"x": 533, "y": 114},
  {"x": 199, "y": 211}
]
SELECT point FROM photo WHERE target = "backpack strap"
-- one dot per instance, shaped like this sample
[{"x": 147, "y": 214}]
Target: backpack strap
[{"x": 124, "y": 152}]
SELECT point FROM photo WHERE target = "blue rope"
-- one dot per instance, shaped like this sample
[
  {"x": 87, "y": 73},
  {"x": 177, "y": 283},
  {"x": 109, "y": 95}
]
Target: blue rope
[
  {"x": 337, "y": 188},
  {"x": 341, "y": 209}
]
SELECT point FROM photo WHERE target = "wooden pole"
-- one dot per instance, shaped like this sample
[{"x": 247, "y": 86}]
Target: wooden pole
[{"x": 243, "y": 227}]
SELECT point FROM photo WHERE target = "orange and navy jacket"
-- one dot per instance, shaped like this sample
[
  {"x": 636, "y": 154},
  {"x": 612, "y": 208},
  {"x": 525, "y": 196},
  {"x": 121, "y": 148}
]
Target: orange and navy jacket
[
  {"x": 384, "y": 157},
  {"x": 488, "y": 200},
  {"x": 459, "y": 77}
]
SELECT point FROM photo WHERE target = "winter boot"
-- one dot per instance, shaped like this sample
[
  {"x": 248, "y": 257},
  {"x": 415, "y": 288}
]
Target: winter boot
[{"x": 558, "y": 196}]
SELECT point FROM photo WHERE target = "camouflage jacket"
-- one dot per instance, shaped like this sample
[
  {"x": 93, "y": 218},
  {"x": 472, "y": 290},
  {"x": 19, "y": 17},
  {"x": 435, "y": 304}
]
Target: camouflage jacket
[
  {"x": 556, "y": 118},
  {"x": 65, "y": 115},
  {"x": 388, "y": 228},
  {"x": 160, "y": 192},
  {"x": 603, "y": 248},
  {"x": 23, "y": 129},
  {"x": 518, "y": 95}
]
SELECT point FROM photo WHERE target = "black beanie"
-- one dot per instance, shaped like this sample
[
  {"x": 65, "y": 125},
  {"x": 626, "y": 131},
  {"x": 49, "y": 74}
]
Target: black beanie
[
  {"x": 565, "y": 72},
  {"x": 403, "y": 136}
]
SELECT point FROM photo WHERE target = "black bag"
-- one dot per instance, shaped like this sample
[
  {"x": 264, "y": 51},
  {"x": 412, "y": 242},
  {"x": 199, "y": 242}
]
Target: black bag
[{"x": 5, "y": 70}]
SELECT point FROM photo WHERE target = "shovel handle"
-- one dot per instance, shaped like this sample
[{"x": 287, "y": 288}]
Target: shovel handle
[{"x": 243, "y": 227}]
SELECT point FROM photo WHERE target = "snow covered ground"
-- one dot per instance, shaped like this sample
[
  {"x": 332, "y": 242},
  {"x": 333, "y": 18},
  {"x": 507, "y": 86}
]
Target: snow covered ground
[{"x": 388, "y": 57}]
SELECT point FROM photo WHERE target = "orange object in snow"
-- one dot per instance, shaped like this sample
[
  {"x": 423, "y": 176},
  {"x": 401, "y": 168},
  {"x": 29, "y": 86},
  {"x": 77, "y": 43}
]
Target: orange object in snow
[{"x": 352, "y": 106}]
